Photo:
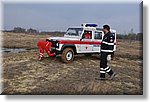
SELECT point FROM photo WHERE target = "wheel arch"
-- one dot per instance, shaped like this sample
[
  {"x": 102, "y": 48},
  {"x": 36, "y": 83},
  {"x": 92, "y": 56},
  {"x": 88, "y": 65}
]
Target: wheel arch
[{"x": 69, "y": 46}]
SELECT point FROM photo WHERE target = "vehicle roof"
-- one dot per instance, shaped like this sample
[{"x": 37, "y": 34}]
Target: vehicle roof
[{"x": 99, "y": 29}]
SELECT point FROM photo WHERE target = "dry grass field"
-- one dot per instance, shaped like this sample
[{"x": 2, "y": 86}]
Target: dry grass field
[{"x": 24, "y": 74}]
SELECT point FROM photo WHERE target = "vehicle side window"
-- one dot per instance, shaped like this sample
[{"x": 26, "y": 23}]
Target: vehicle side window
[
  {"x": 79, "y": 32},
  {"x": 87, "y": 34},
  {"x": 71, "y": 32},
  {"x": 98, "y": 35}
]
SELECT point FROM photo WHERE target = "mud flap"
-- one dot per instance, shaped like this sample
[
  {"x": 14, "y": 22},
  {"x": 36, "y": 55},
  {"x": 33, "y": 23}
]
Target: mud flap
[{"x": 44, "y": 46}]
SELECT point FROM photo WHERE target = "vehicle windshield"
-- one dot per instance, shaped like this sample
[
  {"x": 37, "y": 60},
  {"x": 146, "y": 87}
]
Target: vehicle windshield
[{"x": 74, "y": 32}]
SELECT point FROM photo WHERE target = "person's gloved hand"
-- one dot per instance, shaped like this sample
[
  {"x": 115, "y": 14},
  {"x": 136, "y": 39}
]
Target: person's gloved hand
[
  {"x": 112, "y": 56},
  {"x": 108, "y": 57}
]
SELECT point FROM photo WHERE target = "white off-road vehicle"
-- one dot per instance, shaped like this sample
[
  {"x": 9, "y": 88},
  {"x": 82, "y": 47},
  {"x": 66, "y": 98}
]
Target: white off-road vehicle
[{"x": 78, "y": 40}]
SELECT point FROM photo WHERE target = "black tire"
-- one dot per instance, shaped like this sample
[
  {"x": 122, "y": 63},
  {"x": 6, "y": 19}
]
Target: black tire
[{"x": 67, "y": 55}]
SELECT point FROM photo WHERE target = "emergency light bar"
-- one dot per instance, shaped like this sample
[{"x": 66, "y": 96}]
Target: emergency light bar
[{"x": 89, "y": 25}]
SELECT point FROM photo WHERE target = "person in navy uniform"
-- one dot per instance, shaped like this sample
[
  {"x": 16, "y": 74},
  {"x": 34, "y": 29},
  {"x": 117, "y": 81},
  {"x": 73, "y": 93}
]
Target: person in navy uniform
[{"x": 107, "y": 52}]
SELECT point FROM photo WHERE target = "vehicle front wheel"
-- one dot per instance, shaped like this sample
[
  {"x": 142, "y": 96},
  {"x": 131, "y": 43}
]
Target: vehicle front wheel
[{"x": 67, "y": 55}]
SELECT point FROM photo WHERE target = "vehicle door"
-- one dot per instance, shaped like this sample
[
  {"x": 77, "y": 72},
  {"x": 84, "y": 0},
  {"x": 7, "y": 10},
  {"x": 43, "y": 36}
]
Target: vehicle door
[
  {"x": 86, "y": 45},
  {"x": 98, "y": 35}
]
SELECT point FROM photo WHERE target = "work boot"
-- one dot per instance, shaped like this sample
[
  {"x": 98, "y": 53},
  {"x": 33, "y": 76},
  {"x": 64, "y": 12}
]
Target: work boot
[
  {"x": 101, "y": 77},
  {"x": 54, "y": 57},
  {"x": 112, "y": 76}
]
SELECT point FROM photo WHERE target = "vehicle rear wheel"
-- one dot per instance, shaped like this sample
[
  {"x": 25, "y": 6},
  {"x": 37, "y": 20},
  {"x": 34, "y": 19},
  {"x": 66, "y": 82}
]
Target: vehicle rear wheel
[{"x": 67, "y": 55}]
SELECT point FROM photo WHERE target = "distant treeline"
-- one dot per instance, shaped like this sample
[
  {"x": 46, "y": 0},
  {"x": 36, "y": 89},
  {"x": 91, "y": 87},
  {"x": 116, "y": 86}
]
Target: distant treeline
[
  {"x": 129, "y": 36},
  {"x": 33, "y": 31},
  {"x": 22, "y": 30}
]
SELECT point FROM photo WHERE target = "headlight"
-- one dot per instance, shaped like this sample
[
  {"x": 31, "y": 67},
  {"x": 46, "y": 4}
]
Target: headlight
[{"x": 57, "y": 44}]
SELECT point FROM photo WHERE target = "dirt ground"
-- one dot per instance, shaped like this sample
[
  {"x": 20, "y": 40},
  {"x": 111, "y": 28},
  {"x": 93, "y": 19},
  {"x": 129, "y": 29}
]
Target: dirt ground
[{"x": 24, "y": 74}]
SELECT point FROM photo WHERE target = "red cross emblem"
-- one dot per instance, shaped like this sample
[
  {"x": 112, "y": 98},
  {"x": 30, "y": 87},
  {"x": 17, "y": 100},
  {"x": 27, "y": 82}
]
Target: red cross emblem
[{"x": 86, "y": 47}]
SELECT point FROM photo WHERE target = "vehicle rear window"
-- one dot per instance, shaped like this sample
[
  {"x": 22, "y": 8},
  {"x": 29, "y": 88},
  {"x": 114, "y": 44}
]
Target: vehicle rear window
[{"x": 98, "y": 35}]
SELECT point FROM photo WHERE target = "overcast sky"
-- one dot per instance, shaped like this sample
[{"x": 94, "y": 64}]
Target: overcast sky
[{"x": 58, "y": 17}]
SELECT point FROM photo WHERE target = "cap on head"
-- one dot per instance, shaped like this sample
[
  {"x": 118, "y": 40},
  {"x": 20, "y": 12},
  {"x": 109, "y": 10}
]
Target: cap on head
[{"x": 106, "y": 27}]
